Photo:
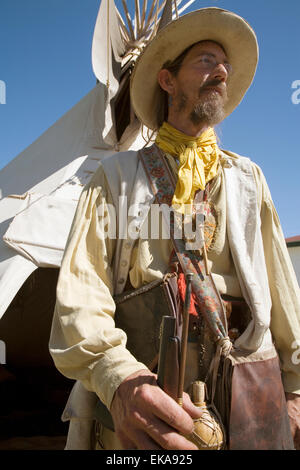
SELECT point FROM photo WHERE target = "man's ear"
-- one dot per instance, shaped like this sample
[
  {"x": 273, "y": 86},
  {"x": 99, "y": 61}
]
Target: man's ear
[{"x": 165, "y": 80}]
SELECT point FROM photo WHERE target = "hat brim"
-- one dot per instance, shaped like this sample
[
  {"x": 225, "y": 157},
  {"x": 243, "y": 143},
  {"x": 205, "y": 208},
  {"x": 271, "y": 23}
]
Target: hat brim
[{"x": 228, "y": 29}]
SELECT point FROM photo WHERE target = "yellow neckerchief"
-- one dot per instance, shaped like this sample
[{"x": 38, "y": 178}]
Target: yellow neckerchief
[{"x": 198, "y": 160}]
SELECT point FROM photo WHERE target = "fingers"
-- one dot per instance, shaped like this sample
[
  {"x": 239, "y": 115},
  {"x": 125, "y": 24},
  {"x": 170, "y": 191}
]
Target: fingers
[
  {"x": 147, "y": 418},
  {"x": 164, "y": 435},
  {"x": 194, "y": 411},
  {"x": 141, "y": 393},
  {"x": 150, "y": 433},
  {"x": 165, "y": 408}
]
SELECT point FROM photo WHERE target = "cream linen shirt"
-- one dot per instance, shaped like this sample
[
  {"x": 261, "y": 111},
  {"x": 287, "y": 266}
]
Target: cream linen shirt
[{"x": 84, "y": 343}]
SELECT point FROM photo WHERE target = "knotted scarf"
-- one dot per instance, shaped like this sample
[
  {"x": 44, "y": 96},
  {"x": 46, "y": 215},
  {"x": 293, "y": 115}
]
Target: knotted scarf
[{"x": 198, "y": 161}]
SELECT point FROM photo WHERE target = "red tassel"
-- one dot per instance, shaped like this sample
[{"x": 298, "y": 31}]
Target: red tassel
[{"x": 176, "y": 267}]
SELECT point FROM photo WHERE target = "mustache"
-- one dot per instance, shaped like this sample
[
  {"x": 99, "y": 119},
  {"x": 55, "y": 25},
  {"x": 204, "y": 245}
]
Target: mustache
[{"x": 215, "y": 83}]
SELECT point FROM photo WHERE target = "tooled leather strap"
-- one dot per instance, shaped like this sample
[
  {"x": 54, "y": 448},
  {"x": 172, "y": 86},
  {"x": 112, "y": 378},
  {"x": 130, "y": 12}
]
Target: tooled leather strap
[{"x": 206, "y": 293}]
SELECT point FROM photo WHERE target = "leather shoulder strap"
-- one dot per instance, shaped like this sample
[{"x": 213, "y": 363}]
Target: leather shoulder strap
[{"x": 206, "y": 293}]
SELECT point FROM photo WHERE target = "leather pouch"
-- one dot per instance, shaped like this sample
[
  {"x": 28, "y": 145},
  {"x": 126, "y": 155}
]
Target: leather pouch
[{"x": 251, "y": 400}]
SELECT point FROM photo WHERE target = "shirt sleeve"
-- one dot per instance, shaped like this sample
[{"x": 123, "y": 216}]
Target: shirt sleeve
[
  {"x": 284, "y": 288},
  {"x": 84, "y": 343}
]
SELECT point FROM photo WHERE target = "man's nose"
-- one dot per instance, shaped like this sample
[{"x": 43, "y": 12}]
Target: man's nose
[{"x": 220, "y": 72}]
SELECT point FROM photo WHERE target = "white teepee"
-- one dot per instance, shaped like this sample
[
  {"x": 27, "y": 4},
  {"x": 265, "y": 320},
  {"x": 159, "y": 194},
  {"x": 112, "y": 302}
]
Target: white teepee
[{"x": 40, "y": 188}]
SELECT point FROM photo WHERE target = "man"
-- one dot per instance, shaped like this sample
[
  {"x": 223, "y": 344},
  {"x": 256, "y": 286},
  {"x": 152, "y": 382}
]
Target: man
[{"x": 189, "y": 78}]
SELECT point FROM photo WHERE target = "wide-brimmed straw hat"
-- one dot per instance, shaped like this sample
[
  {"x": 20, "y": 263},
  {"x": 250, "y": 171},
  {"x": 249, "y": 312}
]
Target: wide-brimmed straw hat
[{"x": 224, "y": 27}]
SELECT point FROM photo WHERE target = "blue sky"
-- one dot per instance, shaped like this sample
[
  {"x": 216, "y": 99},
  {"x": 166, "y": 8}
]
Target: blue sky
[{"x": 45, "y": 62}]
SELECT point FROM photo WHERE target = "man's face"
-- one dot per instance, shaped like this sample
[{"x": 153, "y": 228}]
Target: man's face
[{"x": 200, "y": 86}]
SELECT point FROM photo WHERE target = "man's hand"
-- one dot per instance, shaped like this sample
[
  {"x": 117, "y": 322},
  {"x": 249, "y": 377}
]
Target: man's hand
[
  {"x": 146, "y": 418},
  {"x": 293, "y": 406}
]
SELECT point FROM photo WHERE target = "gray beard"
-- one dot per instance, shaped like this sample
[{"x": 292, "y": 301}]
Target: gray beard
[{"x": 209, "y": 110}]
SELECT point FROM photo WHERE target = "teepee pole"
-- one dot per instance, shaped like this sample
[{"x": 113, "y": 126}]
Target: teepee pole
[
  {"x": 175, "y": 7},
  {"x": 184, "y": 6},
  {"x": 155, "y": 22},
  {"x": 108, "y": 45},
  {"x": 132, "y": 36},
  {"x": 150, "y": 15},
  {"x": 144, "y": 10},
  {"x": 137, "y": 17},
  {"x": 123, "y": 28}
]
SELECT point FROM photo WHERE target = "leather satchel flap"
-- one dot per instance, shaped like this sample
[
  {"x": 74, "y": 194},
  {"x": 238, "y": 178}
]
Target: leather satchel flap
[{"x": 258, "y": 418}]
